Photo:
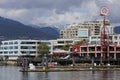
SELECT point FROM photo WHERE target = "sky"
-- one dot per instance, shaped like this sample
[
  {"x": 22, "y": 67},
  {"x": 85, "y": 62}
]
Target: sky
[{"x": 54, "y": 12}]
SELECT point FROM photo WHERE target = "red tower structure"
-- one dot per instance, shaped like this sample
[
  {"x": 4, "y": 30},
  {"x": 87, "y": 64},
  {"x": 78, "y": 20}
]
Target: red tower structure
[{"x": 104, "y": 35}]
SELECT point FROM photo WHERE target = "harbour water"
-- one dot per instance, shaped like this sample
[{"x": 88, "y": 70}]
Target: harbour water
[{"x": 12, "y": 73}]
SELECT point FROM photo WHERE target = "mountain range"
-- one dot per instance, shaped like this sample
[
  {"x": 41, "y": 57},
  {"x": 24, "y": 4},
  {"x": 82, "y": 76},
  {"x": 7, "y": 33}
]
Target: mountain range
[{"x": 10, "y": 29}]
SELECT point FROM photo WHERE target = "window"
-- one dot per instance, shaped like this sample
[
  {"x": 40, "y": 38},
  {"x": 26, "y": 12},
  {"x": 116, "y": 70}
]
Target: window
[
  {"x": 16, "y": 42},
  {"x": 5, "y": 43},
  {"x": 1, "y": 52},
  {"x": 15, "y": 52},
  {"x": 11, "y": 47},
  {"x": 5, "y": 52},
  {"x": 10, "y": 42},
  {"x": 11, "y": 52},
  {"x": 1, "y": 48},
  {"x": 5, "y": 48},
  {"x": 33, "y": 47},
  {"x": 32, "y": 52},
  {"x": 15, "y": 47},
  {"x": 111, "y": 37},
  {"x": 60, "y": 42},
  {"x": 115, "y": 37},
  {"x": 23, "y": 52},
  {"x": 23, "y": 42},
  {"x": 93, "y": 37},
  {"x": 27, "y": 42},
  {"x": 24, "y": 47}
]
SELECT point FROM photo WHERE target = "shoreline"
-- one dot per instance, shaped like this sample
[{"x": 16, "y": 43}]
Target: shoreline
[
  {"x": 64, "y": 69},
  {"x": 77, "y": 67}
]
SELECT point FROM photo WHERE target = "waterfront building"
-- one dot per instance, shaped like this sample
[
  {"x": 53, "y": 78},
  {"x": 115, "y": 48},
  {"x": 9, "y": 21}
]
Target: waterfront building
[
  {"x": 58, "y": 43},
  {"x": 113, "y": 38},
  {"x": 95, "y": 51},
  {"x": 15, "y": 48},
  {"x": 102, "y": 46},
  {"x": 88, "y": 28}
]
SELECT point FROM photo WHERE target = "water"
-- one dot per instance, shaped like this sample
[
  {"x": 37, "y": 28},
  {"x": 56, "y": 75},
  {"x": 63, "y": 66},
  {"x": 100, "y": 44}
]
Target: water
[{"x": 12, "y": 73}]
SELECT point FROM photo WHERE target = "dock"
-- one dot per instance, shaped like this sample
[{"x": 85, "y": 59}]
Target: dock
[{"x": 73, "y": 68}]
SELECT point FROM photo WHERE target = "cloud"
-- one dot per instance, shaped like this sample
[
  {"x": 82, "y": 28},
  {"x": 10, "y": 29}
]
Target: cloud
[
  {"x": 73, "y": 15},
  {"x": 114, "y": 11},
  {"x": 16, "y": 14},
  {"x": 46, "y": 4},
  {"x": 57, "y": 11}
]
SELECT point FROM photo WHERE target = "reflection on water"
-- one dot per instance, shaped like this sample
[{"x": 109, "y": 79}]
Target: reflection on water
[
  {"x": 35, "y": 76},
  {"x": 12, "y": 73},
  {"x": 24, "y": 76}
]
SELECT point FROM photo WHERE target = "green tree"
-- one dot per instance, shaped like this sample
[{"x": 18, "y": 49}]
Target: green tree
[
  {"x": 43, "y": 49},
  {"x": 66, "y": 47},
  {"x": 79, "y": 42}
]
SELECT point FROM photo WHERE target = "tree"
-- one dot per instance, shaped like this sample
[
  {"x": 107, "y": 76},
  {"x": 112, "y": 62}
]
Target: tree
[
  {"x": 43, "y": 49},
  {"x": 79, "y": 42},
  {"x": 66, "y": 47}
]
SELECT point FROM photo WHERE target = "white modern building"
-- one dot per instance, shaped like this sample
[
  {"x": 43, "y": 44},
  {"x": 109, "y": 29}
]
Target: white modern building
[
  {"x": 15, "y": 48},
  {"x": 74, "y": 31},
  {"x": 114, "y": 38},
  {"x": 60, "y": 42}
]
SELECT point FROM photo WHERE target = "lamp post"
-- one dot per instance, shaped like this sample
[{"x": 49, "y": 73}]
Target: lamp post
[
  {"x": 45, "y": 60},
  {"x": 73, "y": 58}
]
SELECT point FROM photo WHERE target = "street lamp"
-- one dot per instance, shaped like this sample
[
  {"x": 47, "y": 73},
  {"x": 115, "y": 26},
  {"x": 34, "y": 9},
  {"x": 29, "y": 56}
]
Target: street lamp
[
  {"x": 45, "y": 60},
  {"x": 73, "y": 58}
]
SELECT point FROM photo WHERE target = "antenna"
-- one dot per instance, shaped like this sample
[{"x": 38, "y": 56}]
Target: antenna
[{"x": 104, "y": 35}]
